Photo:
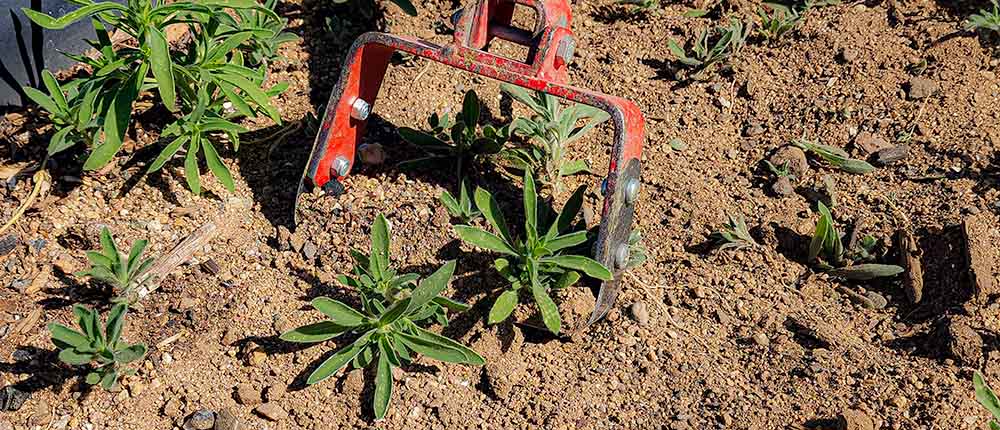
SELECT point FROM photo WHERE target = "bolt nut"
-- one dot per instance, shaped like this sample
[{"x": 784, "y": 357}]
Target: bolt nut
[
  {"x": 341, "y": 166},
  {"x": 621, "y": 256},
  {"x": 360, "y": 109},
  {"x": 632, "y": 190}
]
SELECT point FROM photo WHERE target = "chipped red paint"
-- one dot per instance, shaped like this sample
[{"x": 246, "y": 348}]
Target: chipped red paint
[{"x": 544, "y": 70}]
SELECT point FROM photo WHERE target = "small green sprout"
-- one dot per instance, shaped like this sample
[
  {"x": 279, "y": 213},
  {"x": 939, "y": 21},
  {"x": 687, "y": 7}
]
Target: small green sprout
[
  {"x": 637, "y": 250},
  {"x": 835, "y": 157},
  {"x": 388, "y": 326},
  {"x": 96, "y": 346},
  {"x": 733, "y": 235},
  {"x": 729, "y": 41},
  {"x": 782, "y": 171},
  {"x": 541, "y": 260},
  {"x": 986, "y": 397},
  {"x": 458, "y": 144},
  {"x": 550, "y": 130},
  {"x": 641, "y": 5},
  {"x": 827, "y": 248},
  {"x": 462, "y": 208},
  {"x": 780, "y": 21},
  {"x": 108, "y": 266},
  {"x": 985, "y": 20}
]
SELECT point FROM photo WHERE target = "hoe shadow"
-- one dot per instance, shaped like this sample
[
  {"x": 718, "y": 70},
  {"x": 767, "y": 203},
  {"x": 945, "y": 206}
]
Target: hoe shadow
[
  {"x": 612, "y": 13},
  {"x": 70, "y": 292},
  {"x": 945, "y": 288}
]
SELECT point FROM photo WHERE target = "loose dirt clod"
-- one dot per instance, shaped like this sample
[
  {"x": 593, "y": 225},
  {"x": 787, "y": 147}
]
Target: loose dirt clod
[
  {"x": 794, "y": 157},
  {"x": 892, "y": 154},
  {"x": 853, "y": 419},
  {"x": 870, "y": 143},
  {"x": 271, "y": 411},
  {"x": 964, "y": 344},
  {"x": 921, "y": 87},
  {"x": 909, "y": 260}
]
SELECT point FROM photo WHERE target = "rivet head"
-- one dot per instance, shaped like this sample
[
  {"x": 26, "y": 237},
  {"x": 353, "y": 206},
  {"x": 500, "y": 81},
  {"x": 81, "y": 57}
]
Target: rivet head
[
  {"x": 341, "y": 166},
  {"x": 621, "y": 256},
  {"x": 360, "y": 109},
  {"x": 632, "y": 190}
]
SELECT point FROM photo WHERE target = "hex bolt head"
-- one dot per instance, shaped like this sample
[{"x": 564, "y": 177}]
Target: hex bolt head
[
  {"x": 621, "y": 256},
  {"x": 341, "y": 166},
  {"x": 632, "y": 190},
  {"x": 360, "y": 109},
  {"x": 565, "y": 49}
]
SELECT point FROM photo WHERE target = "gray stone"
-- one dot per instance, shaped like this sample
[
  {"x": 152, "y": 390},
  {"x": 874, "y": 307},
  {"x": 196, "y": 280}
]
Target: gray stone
[{"x": 203, "y": 419}]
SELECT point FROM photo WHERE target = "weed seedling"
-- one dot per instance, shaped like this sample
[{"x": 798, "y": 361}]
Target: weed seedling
[
  {"x": 97, "y": 344},
  {"x": 827, "y": 249},
  {"x": 541, "y": 260},
  {"x": 733, "y": 235},
  {"x": 782, "y": 171},
  {"x": 986, "y": 397},
  {"x": 458, "y": 144},
  {"x": 637, "y": 250},
  {"x": 835, "y": 157},
  {"x": 267, "y": 27},
  {"x": 108, "y": 266},
  {"x": 728, "y": 40},
  {"x": 550, "y": 130},
  {"x": 204, "y": 86},
  {"x": 781, "y": 21},
  {"x": 388, "y": 326},
  {"x": 986, "y": 19},
  {"x": 641, "y": 5},
  {"x": 463, "y": 209}
]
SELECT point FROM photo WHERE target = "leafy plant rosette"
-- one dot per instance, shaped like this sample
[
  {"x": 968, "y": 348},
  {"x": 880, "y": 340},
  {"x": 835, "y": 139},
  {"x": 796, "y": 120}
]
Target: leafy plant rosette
[
  {"x": 99, "y": 345},
  {"x": 830, "y": 254},
  {"x": 205, "y": 86},
  {"x": 543, "y": 259},
  {"x": 108, "y": 266},
  {"x": 550, "y": 131},
  {"x": 388, "y": 329}
]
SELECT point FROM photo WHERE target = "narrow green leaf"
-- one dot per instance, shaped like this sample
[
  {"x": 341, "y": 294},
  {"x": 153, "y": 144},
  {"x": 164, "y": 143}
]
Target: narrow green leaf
[
  {"x": 470, "y": 109},
  {"x": 430, "y": 287},
  {"x": 130, "y": 354},
  {"x": 393, "y": 313},
  {"x": 567, "y": 279},
  {"x": 547, "y": 307},
  {"x": 64, "y": 21},
  {"x": 312, "y": 333},
  {"x": 116, "y": 319},
  {"x": 587, "y": 265},
  {"x": 338, "y": 360},
  {"x": 215, "y": 165},
  {"x": 162, "y": 66},
  {"x": 168, "y": 153},
  {"x": 568, "y": 214},
  {"x": 109, "y": 380},
  {"x": 502, "y": 307},
  {"x": 383, "y": 385},
  {"x": 68, "y": 337},
  {"x": 109, "y": 248},
  {"x": 191, "y": 172},
  {"x": 55, "y": 91},
  {"x": 491, "y": 211},
  {"x": 59, "y": 143},
  {"x": 73, "y": 357},
  {"x": 42, "y": 100},
  {"x": 864, "y": 272},
  {"x": 338, "y": 312},
  {"x": 483, "y": 239},
  {"x": 985, "y": 395},
  {"x": 380, "y": 246},
  {"x": 471, "y": 357},
  {"x": 566, "y": 241},
  {"x": 530, "y": 198}
]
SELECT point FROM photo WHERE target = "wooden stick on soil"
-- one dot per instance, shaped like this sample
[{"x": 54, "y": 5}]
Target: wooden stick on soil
[{"x": 172, "y": 260}]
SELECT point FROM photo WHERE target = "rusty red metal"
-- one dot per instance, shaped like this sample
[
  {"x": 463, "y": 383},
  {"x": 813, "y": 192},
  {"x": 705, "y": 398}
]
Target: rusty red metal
[{"x": 551, "y": 44}]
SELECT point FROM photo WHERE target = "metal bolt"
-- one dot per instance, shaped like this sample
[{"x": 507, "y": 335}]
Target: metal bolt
[
  {"x": 360, "y": 109},
  {"x": 341, "y": 166},
  {"x": 621, "y": 255},
  {"x": 631, "y": 190},
  {"x": 564, "y": 51}
]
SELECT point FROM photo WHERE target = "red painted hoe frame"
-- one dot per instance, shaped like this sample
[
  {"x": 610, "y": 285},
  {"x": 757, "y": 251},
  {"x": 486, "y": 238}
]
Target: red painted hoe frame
[{"x": 551, "y": 45}]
